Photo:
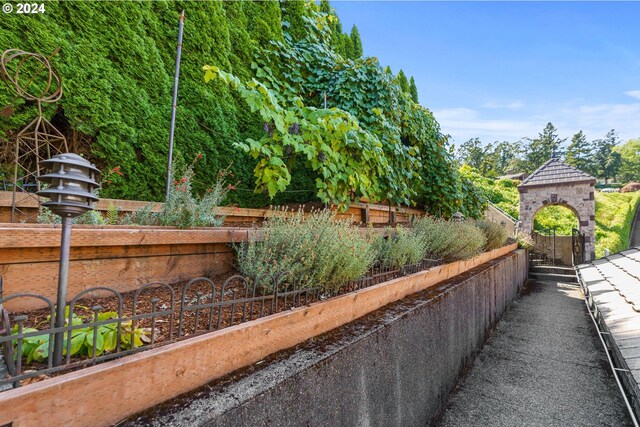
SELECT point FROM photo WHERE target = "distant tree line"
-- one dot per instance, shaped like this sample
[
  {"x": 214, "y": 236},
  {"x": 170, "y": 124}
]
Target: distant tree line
[{"x": 606, "y": 158}]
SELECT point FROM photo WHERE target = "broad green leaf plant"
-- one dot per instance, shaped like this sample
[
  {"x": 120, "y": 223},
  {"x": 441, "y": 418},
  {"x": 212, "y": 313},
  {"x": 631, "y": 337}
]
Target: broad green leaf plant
[
  {"x": 36, "y": 348},
  {"x": 347, "y": 120}
]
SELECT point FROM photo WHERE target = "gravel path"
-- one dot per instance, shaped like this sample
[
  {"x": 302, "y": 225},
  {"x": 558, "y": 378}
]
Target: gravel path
[{"x": 543, "y": 366}]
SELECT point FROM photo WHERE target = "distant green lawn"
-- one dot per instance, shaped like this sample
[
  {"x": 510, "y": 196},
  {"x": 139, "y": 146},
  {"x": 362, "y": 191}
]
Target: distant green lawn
[{"x": 614, "y": 217}]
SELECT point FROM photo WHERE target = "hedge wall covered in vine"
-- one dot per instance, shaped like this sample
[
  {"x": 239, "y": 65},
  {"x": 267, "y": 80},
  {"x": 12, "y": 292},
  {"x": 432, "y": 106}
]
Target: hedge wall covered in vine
[{"x": 117, "y": 61}]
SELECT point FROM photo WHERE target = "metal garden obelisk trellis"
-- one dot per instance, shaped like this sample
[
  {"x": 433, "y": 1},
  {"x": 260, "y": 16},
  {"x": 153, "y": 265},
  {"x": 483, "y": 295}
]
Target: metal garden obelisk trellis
[{"x": 39, "y": 140}]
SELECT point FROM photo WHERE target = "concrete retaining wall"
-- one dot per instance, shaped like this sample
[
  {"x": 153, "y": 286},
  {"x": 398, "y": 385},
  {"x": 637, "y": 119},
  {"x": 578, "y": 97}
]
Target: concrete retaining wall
[{"x": 393, "y": 367}]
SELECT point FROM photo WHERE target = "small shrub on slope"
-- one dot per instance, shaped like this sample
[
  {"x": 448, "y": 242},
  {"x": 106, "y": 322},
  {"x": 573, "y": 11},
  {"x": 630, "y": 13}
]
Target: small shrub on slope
[
  {"x": 630, "y": 187},
  {"x": 449, "y": 240},
  {"x": 495, "y": 234}
]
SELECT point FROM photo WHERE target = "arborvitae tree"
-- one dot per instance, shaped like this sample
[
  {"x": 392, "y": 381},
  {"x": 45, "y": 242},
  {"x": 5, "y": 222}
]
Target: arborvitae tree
[
  {"x": 265, "y": 22},
  {"x": 242, "y": 52},
  {"x": 292, "y": 12},
  {"x": 347, "y": 46},
  {"x": 402, "y": 81},
  {"x": 542, "y": 148},
  {"x": 580, "y": 153},
  {"x": 337, "y": 41},
  {"x": 413, "y": 90},
  {"x": 356, "y": 43}
]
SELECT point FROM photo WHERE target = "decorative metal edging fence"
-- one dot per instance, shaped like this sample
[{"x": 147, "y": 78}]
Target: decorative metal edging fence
[{"x": 203, "y": 307}]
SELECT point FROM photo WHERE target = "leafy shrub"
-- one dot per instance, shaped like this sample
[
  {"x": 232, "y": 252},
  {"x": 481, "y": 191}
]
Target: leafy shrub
[
  {"x": 503, "y": 193},
  {"x": 450, "y": 240},
  {"x": 371, "y": 137},
  {"x": 143, "y": 216},
  {"x": 46, "y": 216},
  {"x": 317, "y": 250},
  {"x": 525, "y": 241},
  {"x": 403, "y": 247},
  {"x": 495, "y": 234},
  {"x": 182, "y": 208}
]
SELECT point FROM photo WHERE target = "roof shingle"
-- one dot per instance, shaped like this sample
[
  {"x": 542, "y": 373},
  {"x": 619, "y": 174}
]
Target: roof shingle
[{"x": 553, "y": 171}]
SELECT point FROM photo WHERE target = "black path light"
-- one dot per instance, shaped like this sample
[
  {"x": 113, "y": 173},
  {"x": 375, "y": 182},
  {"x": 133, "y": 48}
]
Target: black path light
[{"x": 71, "y": 180}]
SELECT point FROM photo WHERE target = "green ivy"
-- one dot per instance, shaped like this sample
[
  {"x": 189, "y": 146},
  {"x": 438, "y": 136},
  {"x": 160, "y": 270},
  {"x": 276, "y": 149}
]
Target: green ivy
[{"x": 371, "y": 140}]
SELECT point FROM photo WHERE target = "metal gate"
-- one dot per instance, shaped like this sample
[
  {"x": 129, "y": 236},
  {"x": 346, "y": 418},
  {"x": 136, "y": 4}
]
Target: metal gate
[
  {"x": 544, "y": 247},
  {"x": 577, "y": 246}
]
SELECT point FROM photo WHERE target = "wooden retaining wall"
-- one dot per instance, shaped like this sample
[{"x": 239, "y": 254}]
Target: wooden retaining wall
[
  {"x": 139, "y": 381},
  {"x": 123, "y": 258},
  {"x": 378, "y": 213},
  {"x": 126, "y": 257}
]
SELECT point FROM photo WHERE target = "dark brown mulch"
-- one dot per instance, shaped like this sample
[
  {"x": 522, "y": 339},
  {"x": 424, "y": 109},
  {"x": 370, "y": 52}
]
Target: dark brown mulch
[
  {"x": 170, "y": 327},
  {"x": 167, "y": 326}
]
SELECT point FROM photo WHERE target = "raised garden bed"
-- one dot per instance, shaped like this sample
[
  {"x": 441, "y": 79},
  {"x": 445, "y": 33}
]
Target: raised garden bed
[
  {"x": 165, "y": 313},
  {"x": 164, "y": 372},
  {"x": 234, "y": 216}
]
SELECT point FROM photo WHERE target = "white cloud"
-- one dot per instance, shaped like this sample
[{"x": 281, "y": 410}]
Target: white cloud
[
  {"x": 465, "y": 123},
  {"x": 490, "y": 125},
  {"x": 513, "y": 105},
  {"x": 633, "y": 93},
  {"x": 596, "y": 120}
]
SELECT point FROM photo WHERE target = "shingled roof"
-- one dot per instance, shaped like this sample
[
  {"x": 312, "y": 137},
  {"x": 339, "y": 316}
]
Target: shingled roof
[{"x": 553, "y": 171}]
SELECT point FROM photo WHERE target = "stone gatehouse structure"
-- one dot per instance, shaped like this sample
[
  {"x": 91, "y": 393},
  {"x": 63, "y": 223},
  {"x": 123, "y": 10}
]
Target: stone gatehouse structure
[{"x": 556, "y": 183}]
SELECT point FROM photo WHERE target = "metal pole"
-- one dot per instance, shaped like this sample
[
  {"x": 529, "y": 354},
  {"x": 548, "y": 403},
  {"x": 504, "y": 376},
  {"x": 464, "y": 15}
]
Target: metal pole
[
  {"x": 553, "y": 262},
  {"x": 174, "y": 105},
  {"x": 63, "y": 281}
]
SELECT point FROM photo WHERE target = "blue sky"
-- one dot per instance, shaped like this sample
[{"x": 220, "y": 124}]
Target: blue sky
[{"x": 502, "y": 70}]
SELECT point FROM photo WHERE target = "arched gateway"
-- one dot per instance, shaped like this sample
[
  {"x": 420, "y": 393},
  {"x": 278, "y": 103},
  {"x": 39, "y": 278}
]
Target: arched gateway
[{"x": 557, "y": 183}]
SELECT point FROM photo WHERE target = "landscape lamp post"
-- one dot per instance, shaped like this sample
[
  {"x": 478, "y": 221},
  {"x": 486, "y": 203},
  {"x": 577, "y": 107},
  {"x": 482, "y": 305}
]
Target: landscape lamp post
[{"x": 71, "y": 180}]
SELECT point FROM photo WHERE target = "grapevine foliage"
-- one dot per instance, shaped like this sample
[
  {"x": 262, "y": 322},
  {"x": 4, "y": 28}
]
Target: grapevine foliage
[{"x": 371, "y": 140}]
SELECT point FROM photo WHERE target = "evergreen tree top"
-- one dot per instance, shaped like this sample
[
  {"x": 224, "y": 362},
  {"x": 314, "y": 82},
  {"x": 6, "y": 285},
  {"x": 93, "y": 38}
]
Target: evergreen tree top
[{"x": 413, "y": 90}]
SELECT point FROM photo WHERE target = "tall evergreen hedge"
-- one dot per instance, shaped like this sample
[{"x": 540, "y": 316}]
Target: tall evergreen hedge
[{"x": 117, "y": 62}]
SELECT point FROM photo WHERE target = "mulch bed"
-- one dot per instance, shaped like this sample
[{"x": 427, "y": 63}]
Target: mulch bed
[
  {"x": 165, "y": 328},
  {"x": 169, "y": 327}
]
